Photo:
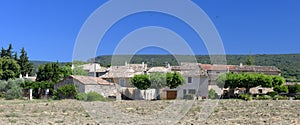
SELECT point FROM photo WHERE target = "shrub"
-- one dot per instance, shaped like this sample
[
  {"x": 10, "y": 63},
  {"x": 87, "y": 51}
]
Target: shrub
[
  {"x": 14, "y": 93},
  {"x": 67, "y": 91},
  {"x": 94, "y": 96},
  {"x": 281, "y": 89},
  {"x": 294, "y": 88},
  {"x": 264, "y": 97},
  {"x": 246, "y": 97},
  {"x": 272, "y": 94},
  {"x": 81, "y": 96},
  {"x": 212, "y": 94},
  {"x": 297, "y": 97},
  {"x": 280, "y": 97}
]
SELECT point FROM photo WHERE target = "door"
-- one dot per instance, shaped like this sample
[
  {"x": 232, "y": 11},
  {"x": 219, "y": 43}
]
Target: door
[{"x": 171, "y": 94}]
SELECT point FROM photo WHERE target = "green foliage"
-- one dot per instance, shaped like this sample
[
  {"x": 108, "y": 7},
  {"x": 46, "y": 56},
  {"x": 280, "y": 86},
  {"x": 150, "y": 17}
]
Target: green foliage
[
  {"x": 81, "y": 96},
  {"x": 11, "y": 89},
  {"x": 90, "y": 96},
  {"x": 248, "y": 80},
  {"x": 212, "y": 94},
  {"x": 14, "y": 93},
  {"x": 79, "y": 71},
  {"x": 174, "y": 80},
  {"x": 263, "y": 97},
  {"x": 294, "y": 88},
  {"x": 281, "y": 89},
  {"x": 280, "y": 97},
  {"x": 94, "y": 96},
  {"x": 249, "y": 60},
  {"x": 38, "y": 88},
  {"x": 189, "y": 96},
  {"x": 25, "y": 65},
  {"x": 158, "y": 80},
  {"x": 246, "y": 97},
  {"x": 52, "y": 72},
  {"x": 67, "y": 91},
  {"x": 272, "y": 94},
  {"x": 141, "y": 82},
  {"x": 9, "y": 68}
]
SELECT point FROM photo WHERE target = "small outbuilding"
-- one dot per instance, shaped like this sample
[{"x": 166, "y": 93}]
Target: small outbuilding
[{"x": 87, "y": 84}]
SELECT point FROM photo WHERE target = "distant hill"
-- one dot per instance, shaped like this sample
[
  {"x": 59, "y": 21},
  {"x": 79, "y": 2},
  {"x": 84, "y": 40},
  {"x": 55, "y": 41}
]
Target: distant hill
[{"x": 289, "y": 64}]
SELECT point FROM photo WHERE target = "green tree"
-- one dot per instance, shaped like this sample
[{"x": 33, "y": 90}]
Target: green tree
[
  {"x": 174, "y": 80},
  {"x": 9, "y": 68},
  {"x": 248, "y": 80},
  {"x": 25, "y": 65},
  {"x": 52, "y": 72},
  {"x": 141, "y": 82},
  {"x": 68, "y": 91},
  {"x": 9, "y": 51},
  {"x": 3, "y": 52},
  {"x": 79, "y": 71},
  {"x": 158, "y": 81}
]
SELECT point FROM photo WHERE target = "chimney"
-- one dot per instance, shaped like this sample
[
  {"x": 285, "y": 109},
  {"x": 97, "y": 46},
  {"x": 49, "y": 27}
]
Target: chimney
[
  {"x": 241, "y": 64},
  {"x": 143, "y": 64},
  {"x": 125, "y": 63},
  {"x": 20, "y": 76},
  {"x": 168, "y": 66},
  {"x": 72, "y": 66},
  {"x": 26, "y": 75}
]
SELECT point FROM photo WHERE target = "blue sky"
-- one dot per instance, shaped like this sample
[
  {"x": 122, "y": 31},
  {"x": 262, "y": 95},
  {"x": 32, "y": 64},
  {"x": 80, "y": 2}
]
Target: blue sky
[{"x": 48, "y": 29}]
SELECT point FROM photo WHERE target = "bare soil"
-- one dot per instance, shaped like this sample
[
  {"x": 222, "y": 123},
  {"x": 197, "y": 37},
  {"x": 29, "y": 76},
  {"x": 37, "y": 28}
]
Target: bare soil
[{"x": 231, "y": 112}]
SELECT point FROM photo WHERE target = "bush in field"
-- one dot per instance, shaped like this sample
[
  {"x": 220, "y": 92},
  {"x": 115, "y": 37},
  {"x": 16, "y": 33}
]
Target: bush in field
[
  {"x": 14, "y": 93},
  {"x": 272, "y": 94},
  {"x": 246, "y": 97},
  {"x": 67, "y": 91},
  {"x": 81, "y": 96},
  {"x": 90, "y": 96},
  {"x": 94, "y": 96},
  {"x": 212, "y": 94},
  {"x": 11, "y": 89},
  {"x": 264, "y": 97},
  {"x": 280, "y": 97}
]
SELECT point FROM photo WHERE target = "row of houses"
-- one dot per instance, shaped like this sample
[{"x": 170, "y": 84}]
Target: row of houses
[{"x": 200, "y": 78}]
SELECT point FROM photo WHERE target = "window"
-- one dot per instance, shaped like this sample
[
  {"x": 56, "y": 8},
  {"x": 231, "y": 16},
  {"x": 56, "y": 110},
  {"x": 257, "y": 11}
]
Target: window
[
  {"x": 122, "y": 82},
  {"x": 260, "y": 91},
  {"x": 184, "y": 92},
  {"x": 192, "y": 91},
  {"x": 190, "y": 79}
]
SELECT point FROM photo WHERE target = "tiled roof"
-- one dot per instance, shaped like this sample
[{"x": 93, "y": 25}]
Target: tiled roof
[
  {"x": 158, "y": 69},
  {"x": 214, "y": 67},
  {"x": 120, "y": 72},
  {"x": 88, "y": 80}
]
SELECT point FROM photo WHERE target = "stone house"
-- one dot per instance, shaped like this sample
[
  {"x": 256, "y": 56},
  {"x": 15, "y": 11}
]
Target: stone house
[
  {"x": 196, "y": 81},
  {"x": 87, "y": 84}
]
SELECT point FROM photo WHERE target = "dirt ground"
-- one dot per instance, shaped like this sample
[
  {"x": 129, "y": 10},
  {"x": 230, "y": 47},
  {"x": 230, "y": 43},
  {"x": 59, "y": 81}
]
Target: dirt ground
[{"x": 231, "y": 112}]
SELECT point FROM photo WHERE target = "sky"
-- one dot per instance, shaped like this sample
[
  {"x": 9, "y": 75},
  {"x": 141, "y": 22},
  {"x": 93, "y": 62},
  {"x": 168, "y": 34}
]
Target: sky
[{"x": 48, "y": 29}]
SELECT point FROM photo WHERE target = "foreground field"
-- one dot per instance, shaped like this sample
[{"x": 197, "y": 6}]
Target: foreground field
[{"x": 150, "y": 112}]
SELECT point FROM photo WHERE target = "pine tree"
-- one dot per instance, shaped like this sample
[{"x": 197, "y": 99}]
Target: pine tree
[{"x": 26, "y": 66}]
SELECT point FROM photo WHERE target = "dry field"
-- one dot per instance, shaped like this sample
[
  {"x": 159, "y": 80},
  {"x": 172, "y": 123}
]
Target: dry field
[{"x": 232, "y": 112}]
